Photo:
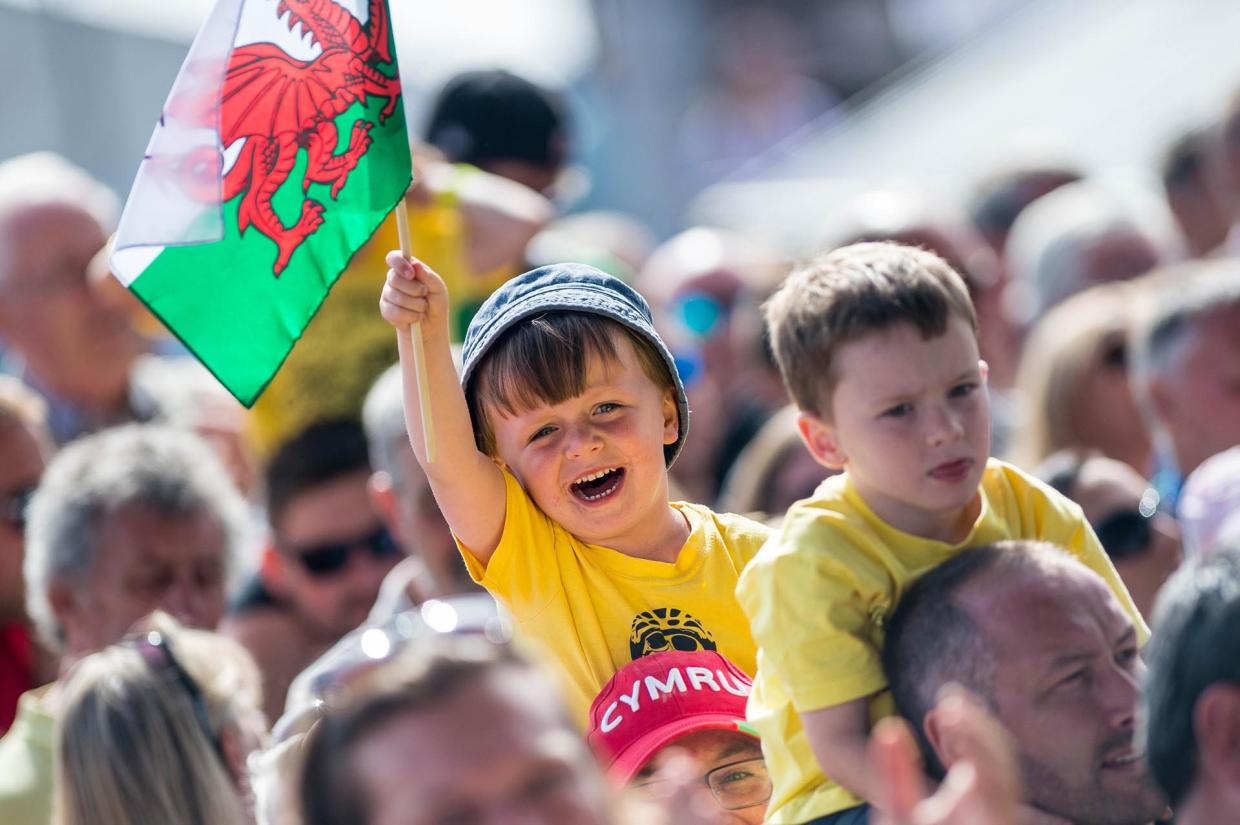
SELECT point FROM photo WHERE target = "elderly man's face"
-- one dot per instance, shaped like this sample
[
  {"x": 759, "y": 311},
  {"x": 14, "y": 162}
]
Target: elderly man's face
[
  {"x": 1066, "y": 685},
  {"x": 498, "y": 751},
  {"x": 74, "y": 342},
  {"x": 145, "y": 560}
]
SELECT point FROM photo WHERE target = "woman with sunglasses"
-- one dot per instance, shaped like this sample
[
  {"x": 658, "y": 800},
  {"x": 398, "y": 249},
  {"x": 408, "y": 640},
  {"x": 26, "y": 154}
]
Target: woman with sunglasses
[
  {"x": 158, "y": 728},
  {"x": 1142, "y": 541}
]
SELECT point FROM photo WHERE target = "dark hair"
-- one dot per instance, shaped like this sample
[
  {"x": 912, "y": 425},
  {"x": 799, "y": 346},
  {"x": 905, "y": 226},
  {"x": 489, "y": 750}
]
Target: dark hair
[
  {"x": 321, "y": 453},
  {"x": 932, "y": 641},
  {"x": 420, "y": 679},
  {"x": 544, "y": 360},
  {"x": 1194, "y": 645},
  {"x": 483, "y": 116},
  {"x": 850, "y": 292}
]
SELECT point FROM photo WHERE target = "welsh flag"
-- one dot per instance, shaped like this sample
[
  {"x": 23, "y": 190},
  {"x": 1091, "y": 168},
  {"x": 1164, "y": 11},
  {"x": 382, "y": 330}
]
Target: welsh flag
[{"x": 280, "y": 150}]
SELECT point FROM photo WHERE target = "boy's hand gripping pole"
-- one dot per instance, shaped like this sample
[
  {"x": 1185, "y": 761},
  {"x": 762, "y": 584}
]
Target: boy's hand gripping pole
[{"x": 411, "y": 340}]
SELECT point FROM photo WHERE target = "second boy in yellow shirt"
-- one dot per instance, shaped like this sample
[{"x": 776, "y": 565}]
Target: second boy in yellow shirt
[{"x": 877, "y": 345}]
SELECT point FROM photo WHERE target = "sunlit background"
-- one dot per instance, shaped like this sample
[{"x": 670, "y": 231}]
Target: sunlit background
[{"x": 765, "y": 116}]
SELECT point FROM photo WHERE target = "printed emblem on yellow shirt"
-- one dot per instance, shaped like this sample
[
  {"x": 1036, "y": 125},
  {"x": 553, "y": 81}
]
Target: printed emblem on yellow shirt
[{"x": 667, "y": 628}]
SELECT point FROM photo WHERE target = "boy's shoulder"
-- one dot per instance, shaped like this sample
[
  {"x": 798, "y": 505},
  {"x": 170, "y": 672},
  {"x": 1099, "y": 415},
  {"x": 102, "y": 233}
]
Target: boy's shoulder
[
  {"x": 822, "y": 520},
  {"x": 733, "y": 528}
]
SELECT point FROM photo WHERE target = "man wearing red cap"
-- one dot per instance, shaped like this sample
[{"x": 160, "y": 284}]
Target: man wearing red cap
[{"x": 693, "y": 702}]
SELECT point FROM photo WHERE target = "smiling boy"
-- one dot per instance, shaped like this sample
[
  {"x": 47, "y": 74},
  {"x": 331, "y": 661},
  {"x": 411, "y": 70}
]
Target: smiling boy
[
  {"x": 551, "y": 469},
  {"x": 877, "y": 344}
]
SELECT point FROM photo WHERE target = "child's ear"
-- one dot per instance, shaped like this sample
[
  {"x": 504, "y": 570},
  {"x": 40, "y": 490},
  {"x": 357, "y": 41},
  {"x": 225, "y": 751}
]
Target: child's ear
[
  {"x": 820, "y": 438},
  {"x": 671, "y": 418}
]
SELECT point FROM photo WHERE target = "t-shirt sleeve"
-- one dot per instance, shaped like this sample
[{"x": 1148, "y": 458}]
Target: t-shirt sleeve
[
  {"x": 812, "y": 615},
  {"x": 1067, "y": 526},
  {"x": 527, "y": 531}
]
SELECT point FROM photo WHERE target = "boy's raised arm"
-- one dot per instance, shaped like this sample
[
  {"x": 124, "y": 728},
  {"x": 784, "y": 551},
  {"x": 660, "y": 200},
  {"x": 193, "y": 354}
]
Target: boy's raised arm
[{"x": 468, "y": 486}]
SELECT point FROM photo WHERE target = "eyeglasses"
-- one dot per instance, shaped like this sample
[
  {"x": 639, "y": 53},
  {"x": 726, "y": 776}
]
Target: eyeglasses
[
  {"x": 14, "y": 506},
  {"x": 1127, "y": 533},
  {"x": 735, "y": 785},
  {"x": 322, "y": 560},
  {"x": 154, "y": 649}
]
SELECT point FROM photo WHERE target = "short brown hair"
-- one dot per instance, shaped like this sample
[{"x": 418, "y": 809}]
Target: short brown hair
[
  {"x": 848, "y": 293},
  {"x": 544, "y": 360}
]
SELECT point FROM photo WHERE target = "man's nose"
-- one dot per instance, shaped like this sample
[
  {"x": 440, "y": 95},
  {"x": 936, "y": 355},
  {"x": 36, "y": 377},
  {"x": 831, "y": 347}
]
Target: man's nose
[{"x": 1120, "y": 693}]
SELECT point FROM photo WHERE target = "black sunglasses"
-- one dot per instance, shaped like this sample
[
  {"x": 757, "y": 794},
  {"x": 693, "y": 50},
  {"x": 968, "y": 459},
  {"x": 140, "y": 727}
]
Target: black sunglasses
[
  {"x": 330, "y": 558},
  {"x": 154, "y": 649},
  {"x": 15, "y": 505},
  {"x": 1127, "y": 533}
]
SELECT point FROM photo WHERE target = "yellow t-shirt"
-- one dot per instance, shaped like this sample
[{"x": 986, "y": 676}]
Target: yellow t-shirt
[
  {"x": 820, "y": 591},
  {"x": 595, "y": 609}
]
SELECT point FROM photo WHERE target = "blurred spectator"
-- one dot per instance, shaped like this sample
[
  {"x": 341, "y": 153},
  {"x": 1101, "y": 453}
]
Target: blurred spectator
[
  {"x": 124, "y": 522},
  {"x": 1082, "y": 234},
  {"x": 1068, "y": 699},
  {"x": 1074, "y": 384},
  {"x": 773, "y": 471},
  {"x": 692, "y": 703},
  {"x": 705, "y": 287},
  {"x": 1186, "y": 365},
  {"x": 328, "y": 553},
  {"x": 26, "y": 446},
  {"x": 1142, "y": 541},
  {"x": 457, "y": 730},
  {"x": 1002, "y": 195},
  {"x": 159, "y": 729},
  {"x": 503, "y": 124},
  {"x": 1229, "y": 159},
  {"x": 76, "y": 349},
  {"x": 402, "y": 494},
  {"x": 1209, "y": 511},
  {"x": 759, "y": 94},
  {"x": 616, "y": 243},
  {"x": 1192, "y": 694},
  {"x": 1190, "y": 181}
]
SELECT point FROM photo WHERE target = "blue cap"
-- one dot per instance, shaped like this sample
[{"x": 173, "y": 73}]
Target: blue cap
[{"x": 569, "y": 288}]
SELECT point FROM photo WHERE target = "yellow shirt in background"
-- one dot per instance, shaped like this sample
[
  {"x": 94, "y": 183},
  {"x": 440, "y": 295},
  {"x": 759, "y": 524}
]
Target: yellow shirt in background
[
  {"x": 594, "y": 609},
  {"x": 819, "y": 593}
]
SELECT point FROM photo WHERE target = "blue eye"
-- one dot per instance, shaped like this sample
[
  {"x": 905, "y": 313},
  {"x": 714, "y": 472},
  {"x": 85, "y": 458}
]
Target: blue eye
[
  {"x": 962, "y": 390},
  {"x": 607, "y": 407},
  {"x": 542, "y": 433},
  {"x": 898, "y": 411}
]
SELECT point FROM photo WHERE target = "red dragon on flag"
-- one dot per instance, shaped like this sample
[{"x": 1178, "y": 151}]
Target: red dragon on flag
[{"x": 279, "y": 105}]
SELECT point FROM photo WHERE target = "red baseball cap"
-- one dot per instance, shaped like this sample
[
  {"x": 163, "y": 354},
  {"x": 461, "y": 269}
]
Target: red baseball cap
[{"x": 655, "y": 700}]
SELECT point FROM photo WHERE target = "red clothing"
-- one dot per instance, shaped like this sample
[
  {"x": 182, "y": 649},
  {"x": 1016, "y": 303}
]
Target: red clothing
[{"x": 16, "y": 669}]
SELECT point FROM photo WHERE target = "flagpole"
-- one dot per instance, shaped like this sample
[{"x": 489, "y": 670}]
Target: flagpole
[{"x": 415, "y": 341}]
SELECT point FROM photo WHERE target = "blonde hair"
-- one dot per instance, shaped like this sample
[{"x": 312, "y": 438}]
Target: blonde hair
[
  {"x": 130, "y": 747},
  {"x": 851, "y": 292},
  {"x": 1064, "y": 347}
]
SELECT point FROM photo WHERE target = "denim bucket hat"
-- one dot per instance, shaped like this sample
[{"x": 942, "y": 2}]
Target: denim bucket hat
[{"x": 568, "y": 287}]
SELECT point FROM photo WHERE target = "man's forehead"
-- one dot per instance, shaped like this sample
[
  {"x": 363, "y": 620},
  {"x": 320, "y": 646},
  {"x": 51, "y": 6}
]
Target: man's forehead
[{"x": 1036, "y": 611}]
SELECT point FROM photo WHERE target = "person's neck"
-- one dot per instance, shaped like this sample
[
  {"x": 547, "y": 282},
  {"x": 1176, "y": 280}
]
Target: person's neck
[
  {"x": 948, "y": 526},
  {"x": 655, "y": 539}
]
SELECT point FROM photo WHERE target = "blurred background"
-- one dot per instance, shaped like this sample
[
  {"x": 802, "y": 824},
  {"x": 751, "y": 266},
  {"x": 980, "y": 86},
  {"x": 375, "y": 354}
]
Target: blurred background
[{"x": 757, "y": 115}]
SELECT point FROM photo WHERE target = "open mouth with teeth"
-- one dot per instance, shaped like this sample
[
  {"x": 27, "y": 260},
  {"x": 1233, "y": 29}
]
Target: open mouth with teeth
[
  {"x": 598, "y": 486},
  {"x": 1125, "y": 761}
]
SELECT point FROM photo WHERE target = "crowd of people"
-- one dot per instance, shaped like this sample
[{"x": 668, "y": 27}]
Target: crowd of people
[{"x": 940, "y": 524}]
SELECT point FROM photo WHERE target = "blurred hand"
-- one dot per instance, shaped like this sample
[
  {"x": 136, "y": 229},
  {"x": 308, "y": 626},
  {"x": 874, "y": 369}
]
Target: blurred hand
[
  {"x": 981, "y": 787},
  {"x": 412, "y": 294}
]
